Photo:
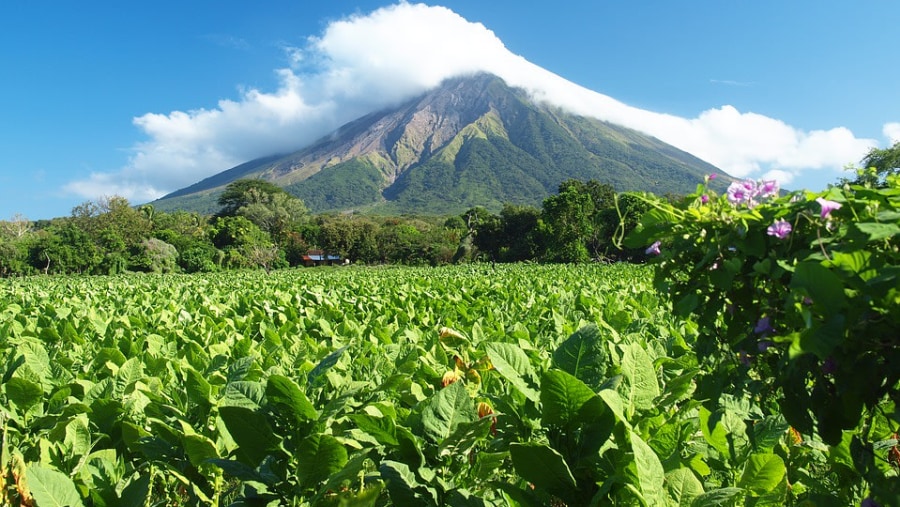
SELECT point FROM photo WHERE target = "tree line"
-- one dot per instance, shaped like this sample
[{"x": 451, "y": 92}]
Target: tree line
[{"x": 260, "y": 225}]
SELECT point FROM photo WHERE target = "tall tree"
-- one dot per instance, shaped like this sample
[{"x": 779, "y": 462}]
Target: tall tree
[
  {"x": 568, "y": 223},
  {"x": 275, "y": 213},
  {"x": 519, "y": 233},
  {"x": 238, "y": 194}
]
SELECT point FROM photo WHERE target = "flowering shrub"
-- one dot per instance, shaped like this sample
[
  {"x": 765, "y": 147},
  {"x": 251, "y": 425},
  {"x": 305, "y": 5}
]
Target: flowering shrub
[{"x": 800, "y": 294}]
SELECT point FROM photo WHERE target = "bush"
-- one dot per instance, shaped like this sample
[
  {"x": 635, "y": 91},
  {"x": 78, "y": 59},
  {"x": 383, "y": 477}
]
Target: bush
[{"x": 801, "y": 294}]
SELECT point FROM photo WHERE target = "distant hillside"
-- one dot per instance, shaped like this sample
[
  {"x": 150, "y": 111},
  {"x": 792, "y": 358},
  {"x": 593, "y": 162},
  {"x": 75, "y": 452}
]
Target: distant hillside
[{"x": 471, "y": 141}]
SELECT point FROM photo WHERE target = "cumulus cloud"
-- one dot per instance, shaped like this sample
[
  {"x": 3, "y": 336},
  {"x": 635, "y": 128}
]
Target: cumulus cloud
[
  {"x": 892, "y": 132},
  {"x": 365, "y": 62}
]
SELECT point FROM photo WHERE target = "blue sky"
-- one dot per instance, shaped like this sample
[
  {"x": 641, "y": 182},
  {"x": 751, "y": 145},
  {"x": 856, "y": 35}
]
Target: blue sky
[{"x": 138, "y": 99}]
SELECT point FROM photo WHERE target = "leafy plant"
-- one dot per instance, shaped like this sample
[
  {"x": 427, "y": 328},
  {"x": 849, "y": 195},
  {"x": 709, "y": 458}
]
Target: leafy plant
[{"x": 796, "y": 299}]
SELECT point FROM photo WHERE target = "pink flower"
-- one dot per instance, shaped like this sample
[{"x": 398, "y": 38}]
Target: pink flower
[
  {"x": 768, "y": 189},
  {"x": 653, "y": 249},
  {"x": 739, "y": 192},
  {"x": 704, "y": 198},
  {"x": 827, "y": 206},
  {"x": 713, "y": 176},
  {"x": 743, "y": 192},
  {"x": 780, "y": 229}
]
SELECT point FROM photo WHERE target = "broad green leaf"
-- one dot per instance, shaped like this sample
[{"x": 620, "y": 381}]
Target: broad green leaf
[
  {"x": 358, "y": 464},
  {"x": 641, "y": 386},
  {"x": 516, "y": 497},
  {"x": 875, "y": 231},
  {"x": 542, "y": 466},
  {"x": 382, "y": 428},
  {"x": 714, "y": 432},
  {"x": 614, "y": 402},
  {"x": 318, "y": 457},
  {"x": 131, "y": 434},
  {"x": 23, "y": 393},
  {"x": 446, "y": 410},
  {"x": 51, "y": 487},
  {"x": 410, "y": 447},
  {"x": 513, "y": 364},
  {"x": 466, "y": 436},
  {"x": 137, "y": 491},
  {"x": 284, "y": 394},
  {"x": 130, "y": 372},
  {"x": 199, "y": 449},
  {"x": 584, "y": 355},
  {"x": 109, "y": 355},
  {"x": 98, "y": 323},
  {"x": 401, "y": 483},
  {"x": 324, "y": 365},
  {"x": 775, "y": 497},
  {"x": 238, "y": 369},
  {"x": 565, "y": 400},
  {"x": 35, "y": 357},
  {"x": 822, "y": 338},
  {"x": 821, "y": 284},
  {"x": 762, "y": 473},
  {"x": 243, "y": 394},
  {"x": 723, "y": 497},
  {"x": 856, "y": 262},
  {"x": 238, "y": 470},
  {"x": 649, "y": 471},
  {"x": 678, "y": 389},
  {"x": 78, "y": 437},
  {"x": 726, "y": 432},
  {"x": 251, "y": 432},
  {"x": 464, "y": 498},
  {"x": 197, "y": 387},
  {"x": 487, "y": 464},
  {"x": 768, "y": 432},
  {"x": 683, "y": 486}
]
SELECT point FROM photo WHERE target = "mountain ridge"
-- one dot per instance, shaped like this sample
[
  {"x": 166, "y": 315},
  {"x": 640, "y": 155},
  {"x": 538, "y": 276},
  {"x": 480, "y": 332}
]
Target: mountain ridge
[{"x": 471, "y": 141}]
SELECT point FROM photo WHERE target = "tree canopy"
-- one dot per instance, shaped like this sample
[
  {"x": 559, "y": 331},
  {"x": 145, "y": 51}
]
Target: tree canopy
[
  {"x": 877, "y": 165},
  {"x": 240, "y": 193}
]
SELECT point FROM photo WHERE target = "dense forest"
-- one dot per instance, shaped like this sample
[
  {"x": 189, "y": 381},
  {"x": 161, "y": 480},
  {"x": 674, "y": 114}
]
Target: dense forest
[{"x": 259, "y": 225}]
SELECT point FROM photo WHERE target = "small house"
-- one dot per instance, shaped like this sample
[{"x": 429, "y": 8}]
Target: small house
[{"x": 320, "y": 258}]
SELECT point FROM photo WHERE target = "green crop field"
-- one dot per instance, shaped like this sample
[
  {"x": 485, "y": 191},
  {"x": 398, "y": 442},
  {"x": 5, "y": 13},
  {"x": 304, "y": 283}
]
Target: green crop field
[{"x": 473, "y": 385}]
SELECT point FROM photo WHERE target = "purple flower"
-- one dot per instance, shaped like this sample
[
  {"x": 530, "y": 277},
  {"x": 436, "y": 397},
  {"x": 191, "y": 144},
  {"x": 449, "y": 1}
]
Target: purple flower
[
  {"x": 713, "y": 176},
  {"x": 827, "y": 206},
  {"x": 653, "y": 249},
  {"x": 764, "y": 345},
  {"x": 740, "y": 192},
  {"x": 763, "y": 326},
  {"x": 743, "y": 192},
  {"x": 704, "y": 198},
  {"x": 780, "y": 229},
  {"x": 768, "y": 189},
  {"x": 869, "y": 502}
]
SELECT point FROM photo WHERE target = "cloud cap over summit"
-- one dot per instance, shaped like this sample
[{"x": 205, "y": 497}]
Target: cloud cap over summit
[{"x": 369, "y": 61}]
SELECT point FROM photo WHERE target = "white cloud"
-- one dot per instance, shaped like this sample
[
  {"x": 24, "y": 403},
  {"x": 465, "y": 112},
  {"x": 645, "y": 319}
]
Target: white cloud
[
  {"x": 365, "y": 62},
  {"x": 892, "y": 132}
]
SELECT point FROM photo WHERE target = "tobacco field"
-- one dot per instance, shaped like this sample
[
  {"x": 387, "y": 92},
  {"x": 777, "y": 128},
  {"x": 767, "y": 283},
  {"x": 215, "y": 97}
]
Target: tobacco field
[{"x": 518, "y": 385}]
